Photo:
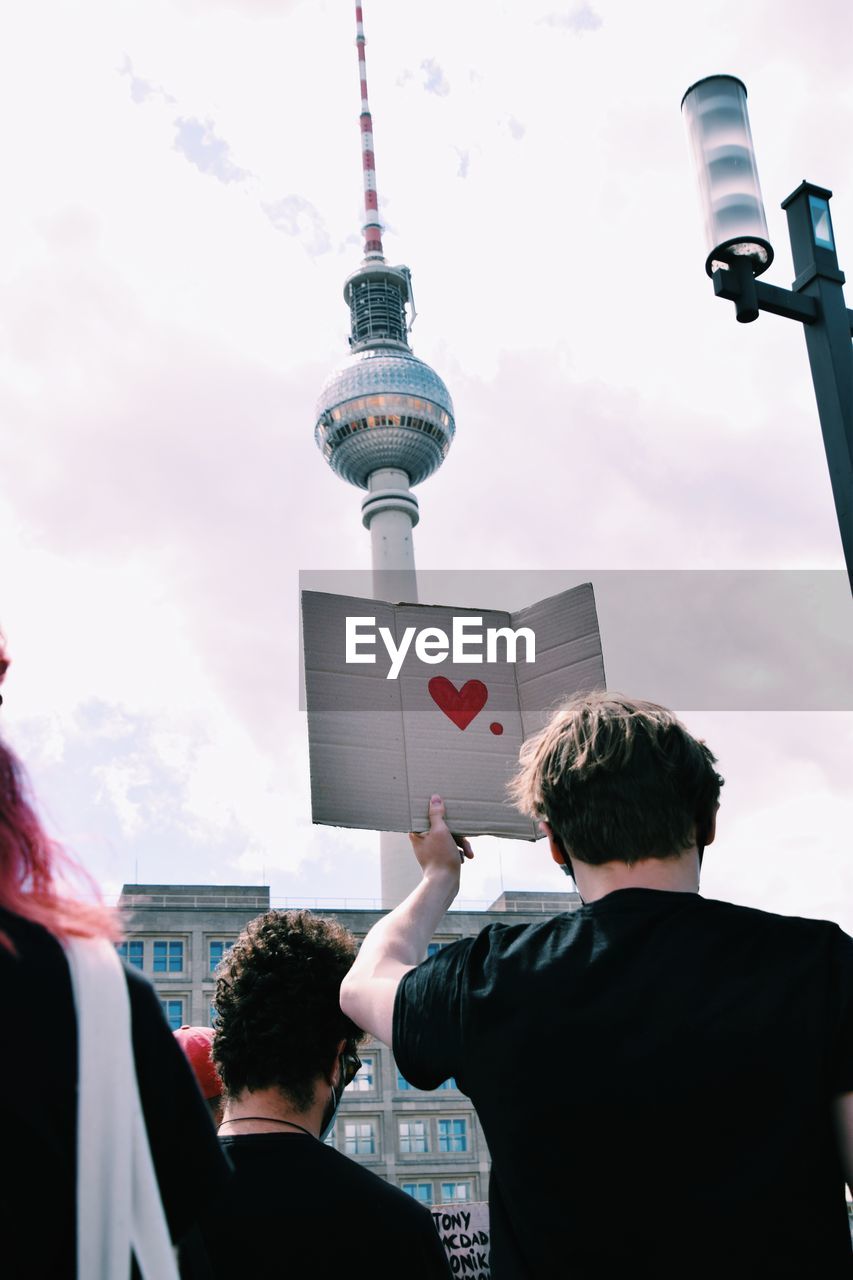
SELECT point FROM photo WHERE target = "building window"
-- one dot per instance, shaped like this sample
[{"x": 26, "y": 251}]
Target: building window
[
  {"x": 421, "y": 1191},
  {"x": 359, "y": 1139},
  {"x": 216, "y": 950},
  {"x": 453, "y": 1135},
  {"x": 132, "y": 952},
  {"x": 329, "y": 1139},
  {"x": 433, "y": 948},
  {"x": 212, "y": 1014},
  {"x": 403, "y": 1084},
  {"x": 168, "y": 957},
  {"x": 364, "y": 1079},
  {"x": 413, "y": 1136},
  {"x": 451, "y": 1191},
  {"x": 174, "y": 1011}
]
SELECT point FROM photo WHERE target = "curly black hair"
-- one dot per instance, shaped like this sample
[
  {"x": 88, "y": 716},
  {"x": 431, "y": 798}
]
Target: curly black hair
[{"x": 277, "y": 990}]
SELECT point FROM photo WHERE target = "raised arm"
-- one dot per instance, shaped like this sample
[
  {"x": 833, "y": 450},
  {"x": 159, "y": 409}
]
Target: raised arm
[{"x": 399, "y": 940}]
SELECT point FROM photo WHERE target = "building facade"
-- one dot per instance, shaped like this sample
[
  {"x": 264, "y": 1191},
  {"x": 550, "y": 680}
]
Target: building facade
[{"x": 429, "y": 1143}]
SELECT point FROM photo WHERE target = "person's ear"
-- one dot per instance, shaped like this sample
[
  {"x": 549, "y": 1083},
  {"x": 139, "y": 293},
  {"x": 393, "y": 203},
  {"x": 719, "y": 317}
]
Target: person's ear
[
  {"x": 333, "y": 1075},
  {"x": 558, "y": 853}
]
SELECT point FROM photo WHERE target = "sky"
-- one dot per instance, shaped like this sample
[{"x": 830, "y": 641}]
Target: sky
[{"x": 182, "y": 207}]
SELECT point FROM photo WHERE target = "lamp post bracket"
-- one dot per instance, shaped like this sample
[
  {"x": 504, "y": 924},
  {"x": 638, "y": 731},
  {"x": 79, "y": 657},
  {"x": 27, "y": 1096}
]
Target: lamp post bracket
[{"x": 779, "y": 302}]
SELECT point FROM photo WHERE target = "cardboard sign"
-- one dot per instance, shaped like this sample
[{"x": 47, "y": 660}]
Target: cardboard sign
[
  {"x": 464, "y": 1231},
  {"x": 407, "y": 700}
]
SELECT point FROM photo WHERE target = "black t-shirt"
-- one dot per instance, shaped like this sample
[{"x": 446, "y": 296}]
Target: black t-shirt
[
  {"x": 38, "y": 1087},
  {"x": 654, "y": 1075},
  {"x": 297, "y": 1208}
]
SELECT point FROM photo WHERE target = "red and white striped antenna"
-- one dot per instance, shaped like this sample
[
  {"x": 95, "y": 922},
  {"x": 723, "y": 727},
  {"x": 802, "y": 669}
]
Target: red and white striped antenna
[{"x": 372, "y": 227}]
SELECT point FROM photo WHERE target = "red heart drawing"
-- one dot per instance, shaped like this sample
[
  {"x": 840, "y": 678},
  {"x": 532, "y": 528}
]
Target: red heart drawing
[{"x": 459, "y": 705}]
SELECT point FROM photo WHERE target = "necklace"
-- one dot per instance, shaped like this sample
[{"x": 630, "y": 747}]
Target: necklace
[{"x": 271, "y": 1120}]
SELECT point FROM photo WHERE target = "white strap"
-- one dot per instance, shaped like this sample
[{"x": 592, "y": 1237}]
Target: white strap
[{"x": 118, "y": 1201}]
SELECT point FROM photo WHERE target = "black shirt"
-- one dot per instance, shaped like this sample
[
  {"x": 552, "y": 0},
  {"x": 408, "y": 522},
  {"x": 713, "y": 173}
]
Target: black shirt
[
  {"x": 654, "y": 1075},
  {"x": 297, "y": 1208},
  {"x": 38, "y": 1087}
]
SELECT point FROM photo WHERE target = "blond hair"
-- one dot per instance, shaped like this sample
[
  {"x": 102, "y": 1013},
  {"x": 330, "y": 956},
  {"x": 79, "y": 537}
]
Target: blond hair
[{"x": 618, "y": 780}]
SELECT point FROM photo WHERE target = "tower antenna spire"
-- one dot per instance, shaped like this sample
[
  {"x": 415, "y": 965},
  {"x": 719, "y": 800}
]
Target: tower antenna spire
[{"x": 371, "y": 226}]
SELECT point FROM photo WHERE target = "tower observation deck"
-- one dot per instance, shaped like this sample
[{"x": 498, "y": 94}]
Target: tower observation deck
[
  {"x": 384, "y": 419},
  {"x": 384, "y": 422}
]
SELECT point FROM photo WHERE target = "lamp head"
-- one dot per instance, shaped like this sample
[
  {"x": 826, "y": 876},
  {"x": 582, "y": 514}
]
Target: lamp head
[{"x": 721, "y": 143}]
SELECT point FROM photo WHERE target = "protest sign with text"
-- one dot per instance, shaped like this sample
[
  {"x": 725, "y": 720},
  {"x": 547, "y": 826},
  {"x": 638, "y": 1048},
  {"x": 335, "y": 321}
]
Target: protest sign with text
[
  {"x": 464, "y": 1231},
  {"x": 404, "y": 700}
]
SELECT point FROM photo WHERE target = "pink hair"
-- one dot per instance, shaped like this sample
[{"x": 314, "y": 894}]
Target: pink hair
[{"x": 33, "y": 868}]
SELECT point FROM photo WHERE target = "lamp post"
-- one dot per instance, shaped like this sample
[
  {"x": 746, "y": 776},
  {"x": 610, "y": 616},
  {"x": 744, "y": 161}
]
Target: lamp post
[{"x": 739, "y": 251}]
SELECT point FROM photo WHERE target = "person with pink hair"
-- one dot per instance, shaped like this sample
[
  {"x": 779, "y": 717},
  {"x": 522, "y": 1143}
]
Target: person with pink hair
[{"x": 41, "y": 920}]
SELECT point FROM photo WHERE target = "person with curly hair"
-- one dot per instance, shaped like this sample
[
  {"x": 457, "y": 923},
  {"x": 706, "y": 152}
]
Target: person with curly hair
[
  {"x": 665, "y": 1081},
  {"x": 50, "y": 913},
  {"x": 285, "y": 1052}
]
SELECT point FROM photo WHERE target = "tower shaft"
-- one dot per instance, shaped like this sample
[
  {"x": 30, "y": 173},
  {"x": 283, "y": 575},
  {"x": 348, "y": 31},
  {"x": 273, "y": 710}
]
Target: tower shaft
[{"x": 390, "y": 511}]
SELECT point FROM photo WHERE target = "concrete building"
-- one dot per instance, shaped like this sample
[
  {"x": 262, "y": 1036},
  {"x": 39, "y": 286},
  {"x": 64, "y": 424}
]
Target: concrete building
[{"x": 429, "y": 1143}]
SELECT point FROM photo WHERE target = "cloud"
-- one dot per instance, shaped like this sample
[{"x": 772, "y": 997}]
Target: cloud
[
  {"x": 142, "y": 90},
  {"x": 296, "y": 216},
  {"x": 179, "y": 448},
  {"x": 516, "y": 128},
  {"x": 254, "y": 9},
  {"x": 161, "y": 788},
  {"x": 464, "y": 161},
  {"x": 350, "y": 242},
  {"x": 435, "y": 81},
  {"x": 198, "y": 143},
  {"x": 582, "y": 18},
  {"x": 71, "y": 228},
  {"x": 648, "y": 507}
]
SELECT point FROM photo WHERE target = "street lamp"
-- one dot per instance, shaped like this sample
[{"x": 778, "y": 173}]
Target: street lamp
[{"x": 739, "y": 251}]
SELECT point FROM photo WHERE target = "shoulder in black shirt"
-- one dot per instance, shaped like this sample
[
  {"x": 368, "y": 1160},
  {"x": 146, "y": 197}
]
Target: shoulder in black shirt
[
  {"x": 654, "y": 1074},
  {"x": 38, "y": 1082},
  {"x": 297, "y": 1207}
]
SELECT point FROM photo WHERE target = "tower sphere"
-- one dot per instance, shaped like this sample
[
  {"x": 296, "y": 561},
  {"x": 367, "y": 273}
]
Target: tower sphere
[{"x": 383, "y": 407}]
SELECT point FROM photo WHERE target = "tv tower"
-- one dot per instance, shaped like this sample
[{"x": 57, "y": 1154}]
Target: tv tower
[{"x": 384, "y": 422}]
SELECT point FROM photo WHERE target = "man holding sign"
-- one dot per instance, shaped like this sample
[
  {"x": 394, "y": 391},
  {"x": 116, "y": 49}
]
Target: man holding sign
[{"x": 665, "y": 1081}]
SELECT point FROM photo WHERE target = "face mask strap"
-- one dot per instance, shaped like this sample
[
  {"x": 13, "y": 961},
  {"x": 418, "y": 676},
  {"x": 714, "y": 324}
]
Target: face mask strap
[{"x": 335, "y": 1094}]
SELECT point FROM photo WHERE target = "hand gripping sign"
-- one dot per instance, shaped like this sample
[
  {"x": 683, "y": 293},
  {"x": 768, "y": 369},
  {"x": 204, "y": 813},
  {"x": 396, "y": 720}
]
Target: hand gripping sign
[{"x": 405, "y": 700}]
